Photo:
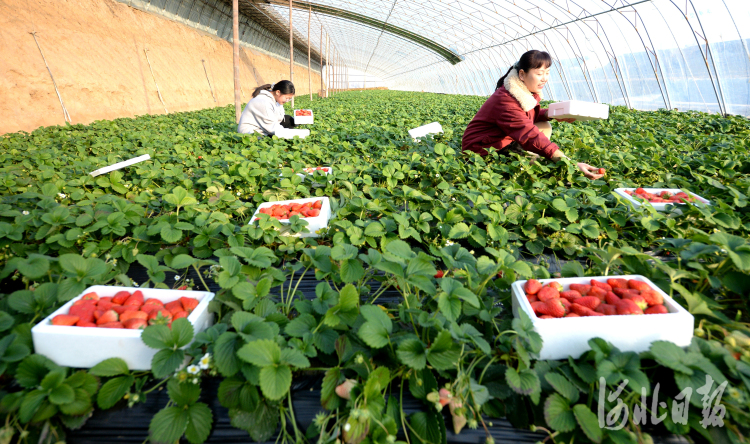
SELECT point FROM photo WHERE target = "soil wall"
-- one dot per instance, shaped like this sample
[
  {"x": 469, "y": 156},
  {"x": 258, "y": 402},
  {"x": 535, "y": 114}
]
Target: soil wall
[{"x": 107, "y": 59}]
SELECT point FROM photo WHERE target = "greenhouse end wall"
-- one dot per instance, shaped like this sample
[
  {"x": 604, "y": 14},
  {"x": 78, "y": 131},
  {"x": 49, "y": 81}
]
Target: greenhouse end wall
[{"x": 95, "y": 52}]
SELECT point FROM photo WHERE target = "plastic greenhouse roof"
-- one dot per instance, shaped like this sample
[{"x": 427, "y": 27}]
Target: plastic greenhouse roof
[{"x": 644, "y": 54}]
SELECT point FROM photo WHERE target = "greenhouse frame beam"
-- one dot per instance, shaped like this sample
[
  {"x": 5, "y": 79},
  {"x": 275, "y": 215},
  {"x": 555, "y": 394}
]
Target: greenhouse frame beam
[{"x": 444, "y": 52}]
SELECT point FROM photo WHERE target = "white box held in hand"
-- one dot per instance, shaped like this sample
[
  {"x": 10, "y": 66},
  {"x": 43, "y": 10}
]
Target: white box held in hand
[
  {"x": 314, "y": 223},
  {"x": 564, "y": 337},
  {"x": 84, "y": 347},
  {"x": 658, "y": 206},
  {"x": 303, "y": 117},
  {"x": 575, "y": 109}
]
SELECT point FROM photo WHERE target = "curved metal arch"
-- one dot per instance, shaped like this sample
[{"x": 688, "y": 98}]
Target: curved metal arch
[
  {"x": 449, "y": 55},
  {"x": 707, "y": 54}
]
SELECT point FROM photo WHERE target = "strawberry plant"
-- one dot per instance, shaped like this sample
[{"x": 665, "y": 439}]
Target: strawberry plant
[{"x": 413, "y": 273}]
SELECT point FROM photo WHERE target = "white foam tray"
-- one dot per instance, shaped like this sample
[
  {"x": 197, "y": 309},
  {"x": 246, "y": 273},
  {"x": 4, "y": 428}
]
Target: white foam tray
[
  {"x": 313, "y": 223},
  {"x": 576, "y": 109},
  {"x": 84, "y": 347},
  {"x": 564, "y": 337},
  {"x": 421, "y": 131},
  {"x": 304, "y": 120},
  {"x": 658, "y": 206}
]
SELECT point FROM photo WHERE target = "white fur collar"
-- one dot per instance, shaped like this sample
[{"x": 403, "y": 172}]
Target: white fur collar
[{"x": 518, "y": 90}]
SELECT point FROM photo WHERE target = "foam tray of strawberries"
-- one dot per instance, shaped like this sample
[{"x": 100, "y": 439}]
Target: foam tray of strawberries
[
  {"x": 629, "y": 311},
  {"x": 315, "y": 210},
  {"x": 106, "y": 321},
  {"x": 659, "y": 198}
]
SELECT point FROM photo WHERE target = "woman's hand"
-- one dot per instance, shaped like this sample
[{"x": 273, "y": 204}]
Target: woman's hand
[
  {"x": 589, "y": 171},
  {"x": 571, "y": 120}
]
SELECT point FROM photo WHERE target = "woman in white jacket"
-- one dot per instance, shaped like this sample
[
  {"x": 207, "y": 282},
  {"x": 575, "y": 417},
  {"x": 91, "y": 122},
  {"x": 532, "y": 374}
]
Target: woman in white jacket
[{"x": 264, "y": 114}]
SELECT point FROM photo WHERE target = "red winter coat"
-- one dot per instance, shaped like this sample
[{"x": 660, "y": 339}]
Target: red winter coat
[{"x": 501, "y": 121}]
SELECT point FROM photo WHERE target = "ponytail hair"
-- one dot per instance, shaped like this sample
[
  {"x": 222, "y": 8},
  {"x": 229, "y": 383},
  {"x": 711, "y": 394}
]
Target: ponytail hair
[
  {"x": 533, "y": 59},
  {"x": 283, "y": 86}
]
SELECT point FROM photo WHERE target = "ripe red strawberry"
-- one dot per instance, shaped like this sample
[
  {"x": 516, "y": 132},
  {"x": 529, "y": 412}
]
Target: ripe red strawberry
[
  {"x": 652, "y": 297},
  {"x": 580, "y": 310},
  {"x": 115, "y": 324},
  {"x": 581, "y": 288},
  {"x": 85, "y": 324},
  {"x": 598, "y": 292},
  {"x": 589, "y": 301},
  {"x": 556, "y": 285},
  {"x": 179, "y": 314},
  {"x": 120, "y": 297},
  {"x": 189, "y": 304},
  {"x": 317, "y": 205},
  {"x": 128, "y": 315},
  {"x": 570, "y": 295},
  {"x": 439, "y": 274},
  {"x": 537, "y": 306},
  {"x": 638, "y": 299},
  {"x": 84, "y": 315},
  {"x": 553, "y": 307},
  {"x": 572, "y": 315},
  {"x": 628, "y": 307},
  {"x": 595, "y": 313},
  {"x": 638, "y": 285},
  {"x": 547, "y": 293},
  {"x": 64, "y": 319},
  {"x": 656, "y": 309},
  {"x": 104, "y": 298},
  {"x": 90, "y": 296},
  {"x": 546, "y": 317},
  {"x": 120, "y": 309},
  {"x": 154, "y": 301},
  {"x": 602, "y": 171},
  {"x": 606, "y": 309},
  {"x": 313, "y": 212},
  {"x": 107, "y": 317},
  {"x": 159, "y": 317},
  {"x": 602, "y": 285},
  {"x": 173, "y": 306},
  {"x": 532, "y": 286},
  {"x": 78, "y": 310},
  {"x": 135, "y": 299},
  {"x": 532, "y": 298},
  {"x": 623, "y": 291},
  {"x": 84, "y": 302},
  {"x": 618, "y": 283},
  {"x": 567, "y": 304},
  {"x": 611, "y": 298},
  {"x": 104, "y": 305},
  {"x": 136, "y": 324}
]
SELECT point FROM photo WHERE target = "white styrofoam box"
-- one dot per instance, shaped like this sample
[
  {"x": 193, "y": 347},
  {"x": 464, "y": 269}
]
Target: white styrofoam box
[
  {"x": 658, "y": 206},
  {"x": 565, "y": 337},
  {"x": 84, "y": 347},
  {"x": 303, "y": 120},
  {"x": 313, "y": 223},
  {"x": 430, "y": 128},
  {"x": 576, "y": 109}
]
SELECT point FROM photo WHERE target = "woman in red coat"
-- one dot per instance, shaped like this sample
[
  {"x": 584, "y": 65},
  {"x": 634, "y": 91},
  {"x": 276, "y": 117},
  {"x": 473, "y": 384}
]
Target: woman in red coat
[{"x": 511, "y": 120}]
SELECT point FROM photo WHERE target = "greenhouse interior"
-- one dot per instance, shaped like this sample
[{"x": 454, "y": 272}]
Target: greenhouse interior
[{"x": 375, "y": 221}]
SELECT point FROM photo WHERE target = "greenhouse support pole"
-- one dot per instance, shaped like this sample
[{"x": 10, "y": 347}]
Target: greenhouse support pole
[
  {"x": 309, "y": 71},
  {"x": 291, "y": 48},
  {"x": 328, "y": 62},
  {"x": 236, "y": 59},
  {"x": 66, "y": 116},
  {"x": 320, "y": 48}
]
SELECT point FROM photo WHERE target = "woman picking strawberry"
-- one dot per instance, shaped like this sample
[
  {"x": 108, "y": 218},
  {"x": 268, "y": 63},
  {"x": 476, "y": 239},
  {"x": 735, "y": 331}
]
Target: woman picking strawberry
[
  {"x": 511, "y": 120},
  {"x": 264, "y": 114}
]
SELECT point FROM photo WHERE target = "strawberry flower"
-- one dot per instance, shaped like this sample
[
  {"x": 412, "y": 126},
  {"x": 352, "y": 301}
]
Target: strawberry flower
[
  {"x": 205, "y": 361},
  {"x": 193, "y": 369}
]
